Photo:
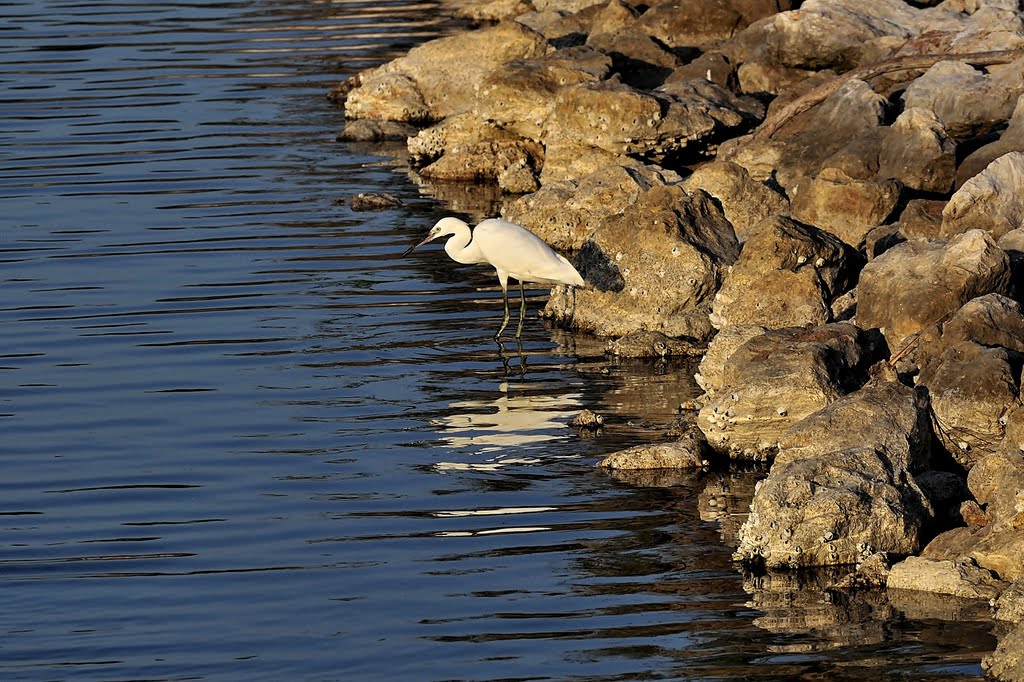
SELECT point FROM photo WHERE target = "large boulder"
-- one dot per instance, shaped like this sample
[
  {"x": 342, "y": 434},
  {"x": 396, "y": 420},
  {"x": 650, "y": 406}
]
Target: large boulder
[
  {"x": 774, "y": 379},
  {"x": 746, "y": 201},
  {"x": 703, "y": 24},
  {"x": 1010, "y": 140},
  {"x": 963, "y": 579},
  {"x": 845, "y": 206},
  {"x": 654, "y": 267},
  {"x": 990, "y": 201},
  {"x": 917, "y": 152},
  {"x": 842, "y": 486},
  {"x": 787, "y": 275},
  {"x": 918, "y": 283},
  {"x": 440, "y": 77}
]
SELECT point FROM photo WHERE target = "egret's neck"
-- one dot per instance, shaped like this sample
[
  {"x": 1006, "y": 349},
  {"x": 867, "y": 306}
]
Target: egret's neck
[{"x": 457, "y": 247}]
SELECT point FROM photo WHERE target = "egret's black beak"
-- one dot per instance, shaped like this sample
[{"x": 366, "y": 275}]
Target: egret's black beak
[{"x": 415, "y": 246}]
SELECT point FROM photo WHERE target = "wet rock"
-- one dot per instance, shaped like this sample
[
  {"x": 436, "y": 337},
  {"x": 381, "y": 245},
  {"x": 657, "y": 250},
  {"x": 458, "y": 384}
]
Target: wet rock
[
  {"x": 685, "y": 453},
  {"x": 1006, "y": 663},
  {"x": 870, "y": 574},
  {"x": 963, "y": 579},
  {"x": 587, "y": 420},
  {"x": 917, "y": 152},
  {"x": 373, "y": 202},
  {"x": 916, "y": 284},
  {"x": 520, "y": 97},
  {"x": 653, "y": 267},
  {"x": 847, "y": 207},
  {"x": 787, "y": 275},
  {"x": 440, "y": 77},
  {"x": 376, "y": 131},
  {"x": 774, "y": 380},
  {"x": 965, "y": 99},
  {"x": 989, "y": 201},
  {"x": 745, "y": 201},
  {"x": 645, "y": 344},
  {"x": 1011, "y": 140},
  {"x": 842, "y": 485}
]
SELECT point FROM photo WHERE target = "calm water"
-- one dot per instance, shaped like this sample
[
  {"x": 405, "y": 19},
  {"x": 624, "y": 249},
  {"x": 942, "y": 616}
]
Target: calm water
[{"x": 240, "y": 439}]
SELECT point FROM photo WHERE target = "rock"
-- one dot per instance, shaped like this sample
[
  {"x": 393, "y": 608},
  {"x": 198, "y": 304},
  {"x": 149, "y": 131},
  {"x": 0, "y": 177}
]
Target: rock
[
  {"x": 846, "y": 207},
  {"x": 1009, "y": 605},
  {"x": 989, "y": 201},
  {"x": 653, "y": 267},
  {"x": 745, "y": 201},
  {"x": 653, "y": 125},
  {"x": 587, "y": 420},
  {"x": 834, "y": 34},
  {"x": 774, "y": 380},
  {"x": 966, "y": 100},
  {"x": 1011, "y": 140},
  {"x": 711, "y": 375},
  {"x": 870, "y": 574},
  {"x": 916, "y": 284},
  {"x": 699, "y": 24},
  {"x": 760, "y": 78},
  {"x": 921, "y": 218},
  {"x": 787, "y": 275},
  {"x": 1006, "y": 663},
  {"x": 488, "y": 10},
  {"x": 972, "y": 388},
  {"x": 917, "y": 152},
  {"x": 654, "y": 345},
  {"x": 565, "y": 213},
  {"x": 639, "y": 60},
  {"x": 520, "y": 97},
  {"x": 376, "y": 131},
  {"x": 373, "y": 202},
  {"x": 963, "y": 579},
  {"x": 686, "y": 453},
  {"x": 440, "y": 77}
]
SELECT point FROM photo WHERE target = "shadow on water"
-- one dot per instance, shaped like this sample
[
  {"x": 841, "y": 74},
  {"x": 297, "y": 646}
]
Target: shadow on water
[{"x": 242, "y": 439}]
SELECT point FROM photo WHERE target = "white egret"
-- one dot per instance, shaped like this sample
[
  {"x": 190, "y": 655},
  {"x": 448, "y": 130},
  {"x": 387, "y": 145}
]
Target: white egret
[{"x": 511, "y": 249}]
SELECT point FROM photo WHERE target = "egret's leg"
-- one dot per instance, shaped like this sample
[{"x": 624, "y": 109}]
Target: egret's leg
[
  {"x": 504, "y": 322},
  {"x": 522, "y": 309}
]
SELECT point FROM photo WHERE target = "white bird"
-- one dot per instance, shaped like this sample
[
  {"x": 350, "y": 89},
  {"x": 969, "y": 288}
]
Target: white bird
[{"x": 511, "y": 249}]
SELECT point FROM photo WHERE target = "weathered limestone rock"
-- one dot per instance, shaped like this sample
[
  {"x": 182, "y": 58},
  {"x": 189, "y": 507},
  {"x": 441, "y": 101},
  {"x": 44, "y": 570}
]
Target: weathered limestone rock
[
  {"x": 638, "y": 59},
  {"x": 842, "y": 135},
  {"x": 705, "y": 23},
  {"x": 966, "y": 100},
  {"x": 745, "y": 201},
  {"x": 520, "y": 97},
  {"x": 842, "y": 485},
  {"x": 915, "y": 284},
  {"x": 917, "y": 152},
  {"x": 654, "y": 267},
  {"x": 1011, "y": 140},
  {"x": 1006, "y": 663},
  {"x": 685, "y": 453},
  {"x": 774, "y": 380},
  {"x": 650, "y": 124},
  {"x": 990, "y": 201},
  {"x": 711, "y": 374},
  {"x": 1009, "y": 605},
  {"x": 846, "y": 207},
  {"x": 921, "y": 218},
  {"x": 963, "y": 579},
  {"x": 972, "y": 389},
  {"x": 565, "y": 213},
  {"x": 365, "y": 130},
  {"x": 787, "y": 275},
  {"x": 441, "y": 77}
]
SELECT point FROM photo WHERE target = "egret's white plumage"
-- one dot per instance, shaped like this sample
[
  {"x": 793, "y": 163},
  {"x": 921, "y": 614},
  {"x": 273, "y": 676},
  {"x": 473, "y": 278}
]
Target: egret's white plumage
[{"x": 511, "y": 249}]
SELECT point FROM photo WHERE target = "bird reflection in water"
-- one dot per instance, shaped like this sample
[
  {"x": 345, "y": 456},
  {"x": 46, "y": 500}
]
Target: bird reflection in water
[{"x": 503, "y": 429}]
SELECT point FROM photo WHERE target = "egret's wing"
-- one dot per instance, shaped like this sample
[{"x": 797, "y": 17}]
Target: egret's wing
[{"x": 522, "y": 254}]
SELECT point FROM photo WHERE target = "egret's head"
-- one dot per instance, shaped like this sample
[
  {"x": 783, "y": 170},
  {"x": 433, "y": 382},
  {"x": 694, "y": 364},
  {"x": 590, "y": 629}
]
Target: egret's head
[{"x": 443, "y": 227}]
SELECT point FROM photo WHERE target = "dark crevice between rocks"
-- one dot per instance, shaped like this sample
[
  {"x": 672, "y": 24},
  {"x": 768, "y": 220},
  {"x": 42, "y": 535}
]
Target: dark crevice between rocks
[{"x": 597, "y": 269}]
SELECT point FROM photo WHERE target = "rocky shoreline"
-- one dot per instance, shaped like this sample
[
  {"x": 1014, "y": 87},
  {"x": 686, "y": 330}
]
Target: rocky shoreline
[{"x": 826, "y": 198}]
